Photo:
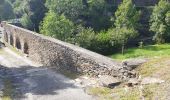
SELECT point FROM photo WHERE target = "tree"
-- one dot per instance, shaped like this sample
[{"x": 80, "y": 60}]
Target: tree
[
  {"x": 70, "y": 8},
  {"x": 26, "y": 22},
  {"x": 19, "y": 6},
  {"x": 120, "y": 36},
  {"x": 85, "y": 37},
  {"x": 34, "y": 9},
  {"x": 57, "y": 26},
  {"x": 126, "y": 22},
  {"x": 160, "y": 21},
  {"x": 84, "y": 12},
  {"x": 6, "y": 11},
  {"x": 98, "y": 15},
  {"x": 127, "y": 15}
]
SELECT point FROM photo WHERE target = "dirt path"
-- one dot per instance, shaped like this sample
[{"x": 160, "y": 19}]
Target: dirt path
[{"x": 30, "y": 82}]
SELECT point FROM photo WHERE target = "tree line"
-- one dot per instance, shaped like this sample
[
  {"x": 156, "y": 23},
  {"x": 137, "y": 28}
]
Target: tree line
[{"x": 97, "y": 25}]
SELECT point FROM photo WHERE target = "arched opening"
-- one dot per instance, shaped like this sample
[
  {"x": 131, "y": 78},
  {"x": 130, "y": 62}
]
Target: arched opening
[
  {"x": 18, "y": 44},
  {"x": 6, "y": 37},
  {"x": 11, "y": 40},
  {"x": 26, "y": 51}
]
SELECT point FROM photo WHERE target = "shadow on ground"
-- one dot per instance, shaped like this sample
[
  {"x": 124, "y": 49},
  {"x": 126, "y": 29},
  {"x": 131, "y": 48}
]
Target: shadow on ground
[{"x": 37, "y": 81}]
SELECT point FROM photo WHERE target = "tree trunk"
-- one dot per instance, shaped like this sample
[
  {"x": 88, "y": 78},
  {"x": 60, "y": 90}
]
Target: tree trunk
[{"x": 123, "y": 47}]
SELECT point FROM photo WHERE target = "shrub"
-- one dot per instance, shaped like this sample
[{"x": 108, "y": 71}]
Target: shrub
[
  {"x": 103, "y": 43},
  {"x": 85, "y": 37},
  {"x": 26, "y": 22},
  {"x": 57, "y": 26},
  {"x": 160, "y": 21}
]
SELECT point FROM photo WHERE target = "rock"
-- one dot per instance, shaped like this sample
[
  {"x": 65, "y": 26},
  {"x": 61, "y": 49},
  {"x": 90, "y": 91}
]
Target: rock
[
  {"x": 151, "y": 80},
  {"x": 133, "y": 63},
  {"x": 108, "y": 81},
  {"x": 132, "y": 82},
  {"x": 86, "y": 81}
]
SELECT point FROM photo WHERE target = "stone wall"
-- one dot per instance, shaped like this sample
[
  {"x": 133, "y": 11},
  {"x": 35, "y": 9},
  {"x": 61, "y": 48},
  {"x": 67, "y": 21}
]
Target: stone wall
[{"x": 52, "y": 52}]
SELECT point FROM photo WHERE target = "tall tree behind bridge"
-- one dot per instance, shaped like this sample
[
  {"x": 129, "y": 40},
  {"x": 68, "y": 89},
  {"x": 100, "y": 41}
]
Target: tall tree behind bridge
[
  {"x": 31, "y": 12},
  {"x": 160, "y": 21},
  {"x": 89, "y": 13},
  {"x": 6, "y": 11}
]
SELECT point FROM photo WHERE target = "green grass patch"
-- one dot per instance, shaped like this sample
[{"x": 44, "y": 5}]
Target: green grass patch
[
  {"x": 146, "y": 51},
  {"x": 1, "y": 51},
  {"x": 15, "y": 50},
  {"x": 130, "y": 94},
  {"x": 102, "y": 92}
]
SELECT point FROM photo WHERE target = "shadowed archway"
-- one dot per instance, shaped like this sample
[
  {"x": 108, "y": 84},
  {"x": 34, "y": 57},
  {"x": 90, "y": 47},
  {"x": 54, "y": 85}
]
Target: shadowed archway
[
  {"x": 6, "y": 36},
  {"x": 26, "y": 48},
  {"x": 18, "y": 44},
  {"x": 11, "y": 40}
]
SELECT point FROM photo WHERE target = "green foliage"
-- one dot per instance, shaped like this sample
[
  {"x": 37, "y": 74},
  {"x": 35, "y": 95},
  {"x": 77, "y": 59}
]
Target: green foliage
[
  {"x": 126, "y": 23},
  {"x": 85, "y": 37},
  {"x": 160, "y": 21},
  {"x": 57, "y": 26},
  {"x": 84, "y": 12},
  {"x": 26, "y": 22},
  {"x": 103, "y": 43},
  {"x": 19, "y": 6},
  {"x": 98, "y": 15},
  {"x": 145, "y": 51},
  {"x": 106, "y": 41},
  {"x": 127, "y": 15},
  {"x": 70, "y": 8},
  {"x": 95, "y": 29},
  {"x": 122, "y": 35},
  {"x": 34, "y": 9},
  {"x": 6, "y": 11}
]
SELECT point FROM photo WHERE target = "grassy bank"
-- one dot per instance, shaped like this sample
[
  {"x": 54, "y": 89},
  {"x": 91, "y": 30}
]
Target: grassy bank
[
  {"x": 146, "y": 51},
  {"x": 158, "y": 67}
]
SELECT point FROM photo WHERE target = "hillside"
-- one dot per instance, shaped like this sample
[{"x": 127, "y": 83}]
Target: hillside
[{"x": 153, "y": 78}]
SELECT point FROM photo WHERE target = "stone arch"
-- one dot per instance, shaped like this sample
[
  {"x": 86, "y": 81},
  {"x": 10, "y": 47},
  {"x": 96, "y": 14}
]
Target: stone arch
[
  {"x": 6, "y": 36},
  {"x": 18, "y": 44},
  {"x": 11, "y": 40},
  {"x": 26, "y": 48}
]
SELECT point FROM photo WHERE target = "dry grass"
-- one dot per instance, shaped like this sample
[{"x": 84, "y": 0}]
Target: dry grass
[
  {"x": 156, "y": 67},
  {"x": 102, "y": 92}
]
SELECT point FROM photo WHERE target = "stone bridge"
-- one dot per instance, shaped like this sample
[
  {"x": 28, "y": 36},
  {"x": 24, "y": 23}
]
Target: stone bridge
[{"x": 60, "y": 55}]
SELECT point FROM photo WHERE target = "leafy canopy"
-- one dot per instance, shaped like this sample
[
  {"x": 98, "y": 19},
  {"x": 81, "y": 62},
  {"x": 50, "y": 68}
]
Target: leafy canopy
[
  {"x": 127, "y": 15},
  {"x": 57, "y": 26},
  {"x": 70, "y": 8},
  {"x": 126, "y": 21},
  {"x": 160, "y": 21},
  {"x": 6, "y": 11}
]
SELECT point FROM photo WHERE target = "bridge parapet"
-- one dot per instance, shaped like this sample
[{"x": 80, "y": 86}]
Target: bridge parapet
[{"x": 61, "y": 55}]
